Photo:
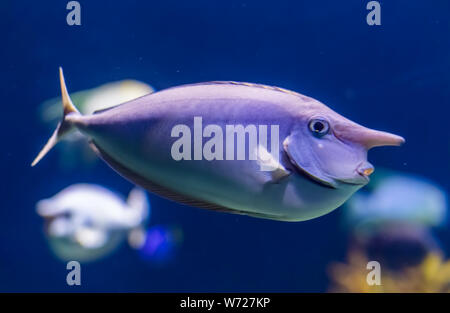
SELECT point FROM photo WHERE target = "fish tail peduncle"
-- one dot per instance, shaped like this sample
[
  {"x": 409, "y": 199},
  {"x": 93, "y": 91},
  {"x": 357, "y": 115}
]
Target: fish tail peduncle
[{"x": 64, "y": 126}]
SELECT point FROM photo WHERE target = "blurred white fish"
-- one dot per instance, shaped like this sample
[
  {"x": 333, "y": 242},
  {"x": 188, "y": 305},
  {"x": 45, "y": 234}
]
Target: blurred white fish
[
  {"x": 398, "y": 198},
  {"x": 85, "y": 222},
  {"x": 88, "y": 101}
]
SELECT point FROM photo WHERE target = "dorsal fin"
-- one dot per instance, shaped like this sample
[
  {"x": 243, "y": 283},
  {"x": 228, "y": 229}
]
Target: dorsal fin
[
  {"x": 107, "y": 109},
  {"x": 254, "y": 85},
  {"x": 64, "y": 126}
]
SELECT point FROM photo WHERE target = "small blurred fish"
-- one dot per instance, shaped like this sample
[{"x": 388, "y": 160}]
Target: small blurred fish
[
  {"x": 398, "y": 198},
  {"x": 85, "y": 222},
  {"x": 88, "y": 101}
]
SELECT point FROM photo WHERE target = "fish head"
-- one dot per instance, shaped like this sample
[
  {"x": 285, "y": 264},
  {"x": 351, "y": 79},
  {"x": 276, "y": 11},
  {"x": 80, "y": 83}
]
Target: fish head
[{"x": 331, "y": 149}]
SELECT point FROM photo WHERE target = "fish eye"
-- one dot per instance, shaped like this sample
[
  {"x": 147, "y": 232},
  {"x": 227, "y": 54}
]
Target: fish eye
[{"x": 319, "y": 127}]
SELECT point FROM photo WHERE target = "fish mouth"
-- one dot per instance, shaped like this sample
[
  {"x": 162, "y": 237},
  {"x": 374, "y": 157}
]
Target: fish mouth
[{"x": 362, "y": 173}]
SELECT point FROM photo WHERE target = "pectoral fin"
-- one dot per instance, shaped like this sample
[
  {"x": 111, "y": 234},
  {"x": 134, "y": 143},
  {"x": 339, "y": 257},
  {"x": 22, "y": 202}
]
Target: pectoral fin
[{"x": 268, "y": 163}]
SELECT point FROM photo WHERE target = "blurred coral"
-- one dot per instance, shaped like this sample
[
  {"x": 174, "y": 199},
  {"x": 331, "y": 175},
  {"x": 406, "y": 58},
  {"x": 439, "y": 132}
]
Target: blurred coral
[{"x": 431, "y": 275}]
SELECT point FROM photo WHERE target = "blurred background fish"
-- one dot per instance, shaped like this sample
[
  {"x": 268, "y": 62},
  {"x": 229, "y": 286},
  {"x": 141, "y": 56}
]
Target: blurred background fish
[
  {"x": 85, "y": 222},
  {"x": 397, "y": 197}
]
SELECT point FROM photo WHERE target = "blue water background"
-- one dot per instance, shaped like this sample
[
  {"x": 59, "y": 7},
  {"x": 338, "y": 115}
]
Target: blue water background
[{"x": 394, "y": 77}]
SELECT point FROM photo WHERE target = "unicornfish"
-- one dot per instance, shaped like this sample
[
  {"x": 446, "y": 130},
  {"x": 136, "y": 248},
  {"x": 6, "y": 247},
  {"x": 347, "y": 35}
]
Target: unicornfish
[{"x": 233, "y": 147}]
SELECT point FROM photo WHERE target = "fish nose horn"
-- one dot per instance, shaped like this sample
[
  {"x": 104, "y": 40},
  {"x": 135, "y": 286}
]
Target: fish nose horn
[
  {"x": 367, "y": 137},
  {"x": 374, "y": 138}
]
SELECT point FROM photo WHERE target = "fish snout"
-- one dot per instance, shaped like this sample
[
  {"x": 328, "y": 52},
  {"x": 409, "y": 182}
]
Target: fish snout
[
  {"x": 367, "y": 137},
  {"x": 375, "y": 138}
]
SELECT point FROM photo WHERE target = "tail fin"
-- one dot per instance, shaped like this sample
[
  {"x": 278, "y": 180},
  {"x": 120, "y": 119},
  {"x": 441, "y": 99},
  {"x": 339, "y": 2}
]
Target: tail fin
[{"x": 63, "y": 127}]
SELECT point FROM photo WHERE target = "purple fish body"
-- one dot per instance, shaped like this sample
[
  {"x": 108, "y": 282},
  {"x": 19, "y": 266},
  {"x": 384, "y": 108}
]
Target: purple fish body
[{"x": 234, "y": 147}]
